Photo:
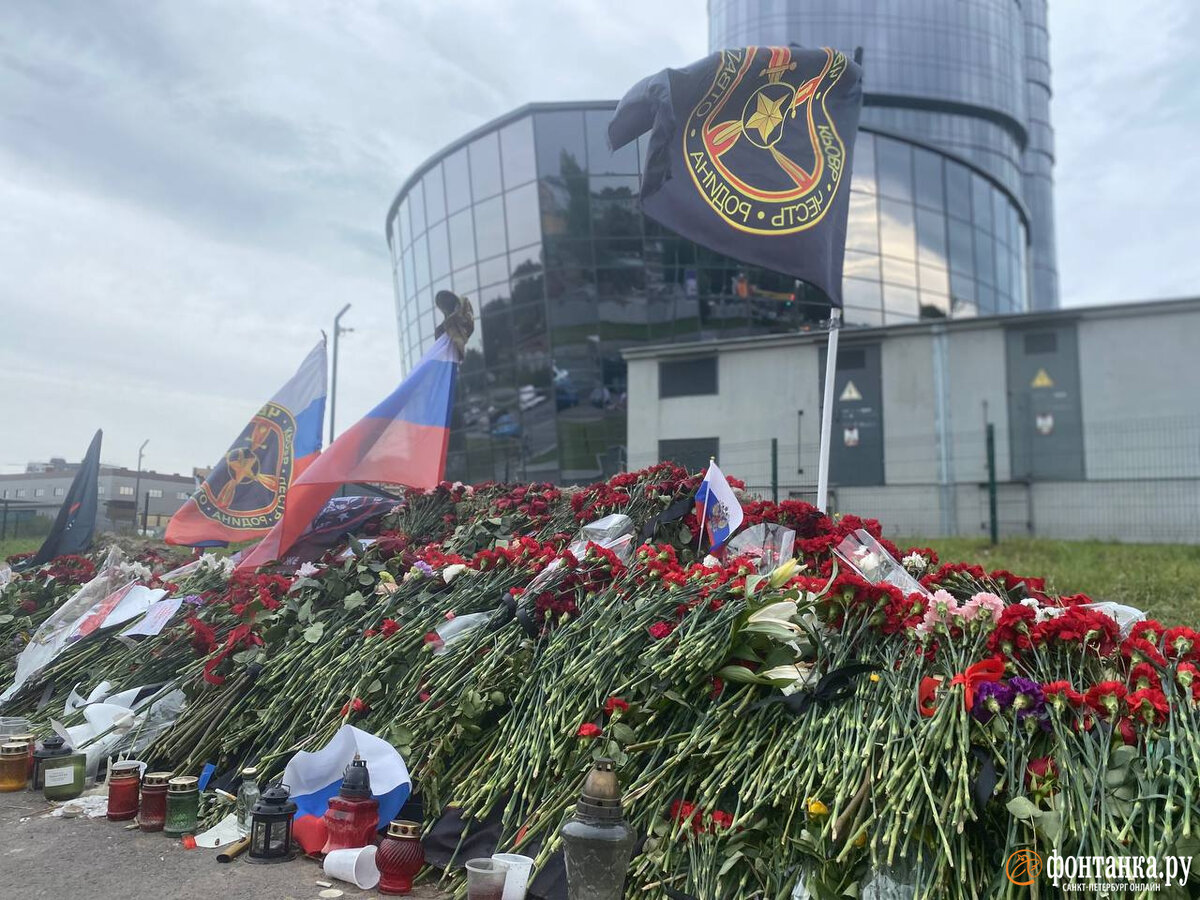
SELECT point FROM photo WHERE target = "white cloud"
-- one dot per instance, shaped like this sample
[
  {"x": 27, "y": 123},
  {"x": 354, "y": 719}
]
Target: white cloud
[{"x": 191, "y": 191}]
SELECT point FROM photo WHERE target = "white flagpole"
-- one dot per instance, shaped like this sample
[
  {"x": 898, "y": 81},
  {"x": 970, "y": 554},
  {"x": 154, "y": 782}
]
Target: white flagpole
[
  {"x": 703, "y": 511},
  {"x": 835, "y": 325}
]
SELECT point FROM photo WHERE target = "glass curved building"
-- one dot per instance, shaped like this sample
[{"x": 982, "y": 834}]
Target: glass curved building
[
  {"x": 969, "y": 76},
  {"x": 539, "y": 224}
]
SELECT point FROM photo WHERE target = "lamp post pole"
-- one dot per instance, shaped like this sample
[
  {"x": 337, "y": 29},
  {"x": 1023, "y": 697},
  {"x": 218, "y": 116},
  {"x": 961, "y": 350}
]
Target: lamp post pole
[
  {"x": 137, "y": 482},
  {"x": 338, "y": 331}
]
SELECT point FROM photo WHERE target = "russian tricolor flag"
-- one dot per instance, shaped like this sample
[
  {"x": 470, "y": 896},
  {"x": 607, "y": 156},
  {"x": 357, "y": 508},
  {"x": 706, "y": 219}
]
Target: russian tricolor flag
[
  {"x": 314, "y": 778},
  {"x": 401, "y": 441},
  {"x": 245, "y": 494},
  {"x": 717, "y": 507}
]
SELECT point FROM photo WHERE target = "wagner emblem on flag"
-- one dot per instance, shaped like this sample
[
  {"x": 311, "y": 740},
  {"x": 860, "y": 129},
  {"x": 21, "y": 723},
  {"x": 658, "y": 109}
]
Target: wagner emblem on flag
[
  {"x": 247, "y": 488},
  {"x": 778, "y": 111}
]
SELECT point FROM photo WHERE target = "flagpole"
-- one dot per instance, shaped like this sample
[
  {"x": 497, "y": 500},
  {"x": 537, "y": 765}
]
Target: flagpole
[
  {"x": 835, "y": 325},
  {"x": 704, "y": 510}
]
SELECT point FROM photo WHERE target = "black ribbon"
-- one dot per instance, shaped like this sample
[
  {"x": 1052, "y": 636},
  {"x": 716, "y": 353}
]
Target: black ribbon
[
  {"x": 672, "y": 513},
  {"x": 525, "y": 617},
  {"x": 677, "y": 895},
  {"x": 504, "y": 613},
  {"x": 983, "y": 785},
  {"x": 834, "y": 687}
]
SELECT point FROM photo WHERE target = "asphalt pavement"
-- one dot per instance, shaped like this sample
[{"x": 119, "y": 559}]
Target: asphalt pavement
[{"x": 43, "y": 856}]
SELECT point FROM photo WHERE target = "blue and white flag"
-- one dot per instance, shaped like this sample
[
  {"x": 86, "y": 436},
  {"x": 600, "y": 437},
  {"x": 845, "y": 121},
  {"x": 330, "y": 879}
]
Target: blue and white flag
[
  {"x": 717, "y": 508},
  {"x": 316, "y": 777}
]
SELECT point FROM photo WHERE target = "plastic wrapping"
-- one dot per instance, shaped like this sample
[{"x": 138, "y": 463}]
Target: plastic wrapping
[
  {"x": 1125, "y": 616},
  {"x": 615, "y": 533},
  {"x": 457, "y": 628},
  {"x": 867, "y": 557},
  {"x": 769, "y": 542}
]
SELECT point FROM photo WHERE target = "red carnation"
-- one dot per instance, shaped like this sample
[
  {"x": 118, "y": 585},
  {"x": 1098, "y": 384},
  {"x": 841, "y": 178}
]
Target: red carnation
[
  {"x": 660, "y": 630},
  {"x": 1106, "y": 697},
  {"x": 356, "y": 706},
  {"x": 1143, "y": 676},
  {"x": 389, "y": 627},
  {"x": 722, "y": 819},
  {"x": 1059, "y": 691},
  {"x": 29, "y": 605},
  {"x": 589, "y": 730},
  {"x": 718, "y": 687},
  {"x": 1149, "y": 704},
  {"x": 1179, "y": 642},
  {"x": 613, "y": 704}
]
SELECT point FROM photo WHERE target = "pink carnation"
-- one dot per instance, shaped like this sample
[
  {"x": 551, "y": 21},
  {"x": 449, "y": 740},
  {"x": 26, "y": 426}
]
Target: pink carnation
[{"x": 982, "y": 604}]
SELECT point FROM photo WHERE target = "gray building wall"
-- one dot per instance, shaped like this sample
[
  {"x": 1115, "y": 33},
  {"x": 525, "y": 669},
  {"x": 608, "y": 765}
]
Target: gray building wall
[
  {"x": 43, "y": 492},
  {"x": 1138, "y": 449}
]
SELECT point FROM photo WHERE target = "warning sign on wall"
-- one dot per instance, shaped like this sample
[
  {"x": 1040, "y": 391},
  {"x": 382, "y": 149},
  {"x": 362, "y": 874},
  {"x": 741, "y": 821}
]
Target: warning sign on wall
[
  {"x": 1042, "y": 380},
  {"x": 850, "y": 392}
]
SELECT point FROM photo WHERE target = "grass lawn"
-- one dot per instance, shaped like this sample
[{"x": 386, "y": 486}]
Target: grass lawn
[
  {"x": 1162, "y": 580},
  {"x": 19, "y": 545}
]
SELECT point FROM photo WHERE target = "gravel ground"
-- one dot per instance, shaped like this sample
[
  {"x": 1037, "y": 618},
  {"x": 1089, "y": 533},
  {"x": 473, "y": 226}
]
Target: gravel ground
[{"x": 42, "y": 856}]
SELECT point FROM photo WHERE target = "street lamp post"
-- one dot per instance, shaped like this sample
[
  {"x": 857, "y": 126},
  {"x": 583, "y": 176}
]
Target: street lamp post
[
  {"x": 338, "y": 331},
  {"x": 137, "y": 482}
]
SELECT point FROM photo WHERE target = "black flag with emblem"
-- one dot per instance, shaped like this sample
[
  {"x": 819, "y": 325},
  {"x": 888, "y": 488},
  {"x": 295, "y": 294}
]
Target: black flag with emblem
[
  {"x": 76, "y": 521},
  {"x": 750, "y": 153}
]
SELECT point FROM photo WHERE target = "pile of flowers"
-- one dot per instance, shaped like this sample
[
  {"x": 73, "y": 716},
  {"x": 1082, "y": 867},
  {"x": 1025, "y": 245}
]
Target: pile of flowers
[{"x": 808, "y": 724}]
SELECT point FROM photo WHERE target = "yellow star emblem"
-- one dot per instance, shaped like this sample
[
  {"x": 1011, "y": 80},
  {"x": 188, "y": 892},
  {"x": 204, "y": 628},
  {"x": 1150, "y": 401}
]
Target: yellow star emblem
[{"x": 766, "y": 117}]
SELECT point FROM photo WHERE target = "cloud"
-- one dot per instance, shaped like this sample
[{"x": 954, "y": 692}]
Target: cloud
[{"x": 191, "y": 191}]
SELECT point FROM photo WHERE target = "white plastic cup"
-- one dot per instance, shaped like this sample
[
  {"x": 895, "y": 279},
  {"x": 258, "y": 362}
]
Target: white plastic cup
[
  {"x": 356, "y": 866},
  {"x": 517, "y": 879}
]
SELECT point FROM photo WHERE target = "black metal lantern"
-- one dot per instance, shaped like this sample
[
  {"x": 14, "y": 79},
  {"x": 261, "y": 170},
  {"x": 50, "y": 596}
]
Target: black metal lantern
[{"x": 271, "y": 825}]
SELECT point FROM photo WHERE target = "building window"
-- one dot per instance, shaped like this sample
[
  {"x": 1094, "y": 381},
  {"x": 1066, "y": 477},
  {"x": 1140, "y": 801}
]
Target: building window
[
  {"x": 125, "y": 490},
  {"x": 39, "y": 492},
  {"x": 20, "y": 492},
  {"x": 687, "y": 377},
  {"x": 154, "y": 493},
  {"x": 181, "y": 495},
  {"x": 100, "y": 490},
  {"x": 58, "y": 492},
  {"x": 691, "y": 453}
]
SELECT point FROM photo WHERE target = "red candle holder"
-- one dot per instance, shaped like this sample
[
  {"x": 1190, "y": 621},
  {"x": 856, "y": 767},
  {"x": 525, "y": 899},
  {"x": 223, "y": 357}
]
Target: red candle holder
[
  {"x": 124, "y": 779},
  {"x": 152, "y": 816},
  {"x": 400, "y": 857},
  {"x": 352, "y": 817}
]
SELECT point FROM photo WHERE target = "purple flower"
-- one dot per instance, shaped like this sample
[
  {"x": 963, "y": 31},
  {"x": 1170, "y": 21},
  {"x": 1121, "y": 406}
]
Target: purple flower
[
  {"x": 991, "y": 697},
  {"x": 423, "y": 567},
  {"x": 194, "y": 600},
  {"x": 1028, "y": 699}
]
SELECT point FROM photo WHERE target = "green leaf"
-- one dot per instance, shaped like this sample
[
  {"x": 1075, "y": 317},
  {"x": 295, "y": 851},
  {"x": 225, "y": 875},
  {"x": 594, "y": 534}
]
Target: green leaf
[
  {"x": 739, "y": 675},
  {"x": 314, "y": 632},
  {"x": 5, "y": 619},
  {"x": 685, "y": 536},
  {"x": 729, "y": 863},
  {"x": 623, "y": 733},
  {"x": 1050, "y": 824},
  {"x": 375, "y": 687},
  {"x": 366, "y": 580},
  {"x": 1023, "y": 808},
  {"x": 354, "y": 601}
]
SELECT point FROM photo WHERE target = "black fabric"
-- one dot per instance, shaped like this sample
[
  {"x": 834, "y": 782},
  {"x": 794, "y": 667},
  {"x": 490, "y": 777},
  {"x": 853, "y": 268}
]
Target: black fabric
[
  {"x": 481, "y": 838},
  {"x": 750, "y": 155},
  {"x": 76, "y": 521},
  {"x": 834, "y": 687}
]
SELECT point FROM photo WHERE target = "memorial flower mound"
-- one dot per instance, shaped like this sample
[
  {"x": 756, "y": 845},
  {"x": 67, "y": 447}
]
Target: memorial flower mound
[{"x": 807, "y": 722}]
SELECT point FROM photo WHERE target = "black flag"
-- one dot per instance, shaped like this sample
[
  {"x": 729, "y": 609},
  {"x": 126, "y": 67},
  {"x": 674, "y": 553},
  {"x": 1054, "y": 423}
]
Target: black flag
[
  {"x": 750, "y": 153},
  {"x": 72, "y": 531}
]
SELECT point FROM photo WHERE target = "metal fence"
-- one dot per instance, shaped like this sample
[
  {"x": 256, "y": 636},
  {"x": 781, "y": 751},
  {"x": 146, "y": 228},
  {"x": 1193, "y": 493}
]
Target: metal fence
[{"x": 1135, "y": 481}]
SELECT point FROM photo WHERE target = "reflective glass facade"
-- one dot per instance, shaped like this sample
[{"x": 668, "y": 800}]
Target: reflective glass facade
[
  {"x": 969, "y": 76},
  {"x": 539, "y": 224}
]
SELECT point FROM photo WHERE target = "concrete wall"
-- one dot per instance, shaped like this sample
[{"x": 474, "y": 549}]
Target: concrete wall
[{"x": 1140, "y": 396}]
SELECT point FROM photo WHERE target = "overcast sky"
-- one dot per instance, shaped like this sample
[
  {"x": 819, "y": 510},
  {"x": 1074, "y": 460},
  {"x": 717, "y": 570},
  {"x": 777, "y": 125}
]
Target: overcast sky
[{"x": 190, "y": 190}]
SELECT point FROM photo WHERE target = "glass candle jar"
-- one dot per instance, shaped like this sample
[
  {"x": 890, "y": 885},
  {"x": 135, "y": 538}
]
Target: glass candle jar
[
  {"x": 124, "y": 779},
  {"x": 63, "y": 776},
  {"x": 400, "y": 857},
  {"x": 31, "y": 743},
  {"x": 183, "y": 805},
  {"x": 14, "y": 766},
  {"x": 52, "y": 747},
  {"x": 152, "y": 812}
]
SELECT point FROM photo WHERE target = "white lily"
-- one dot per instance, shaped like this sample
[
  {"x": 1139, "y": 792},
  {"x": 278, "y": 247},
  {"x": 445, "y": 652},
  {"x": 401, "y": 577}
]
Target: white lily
[{"x": 783, "y": 572}]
